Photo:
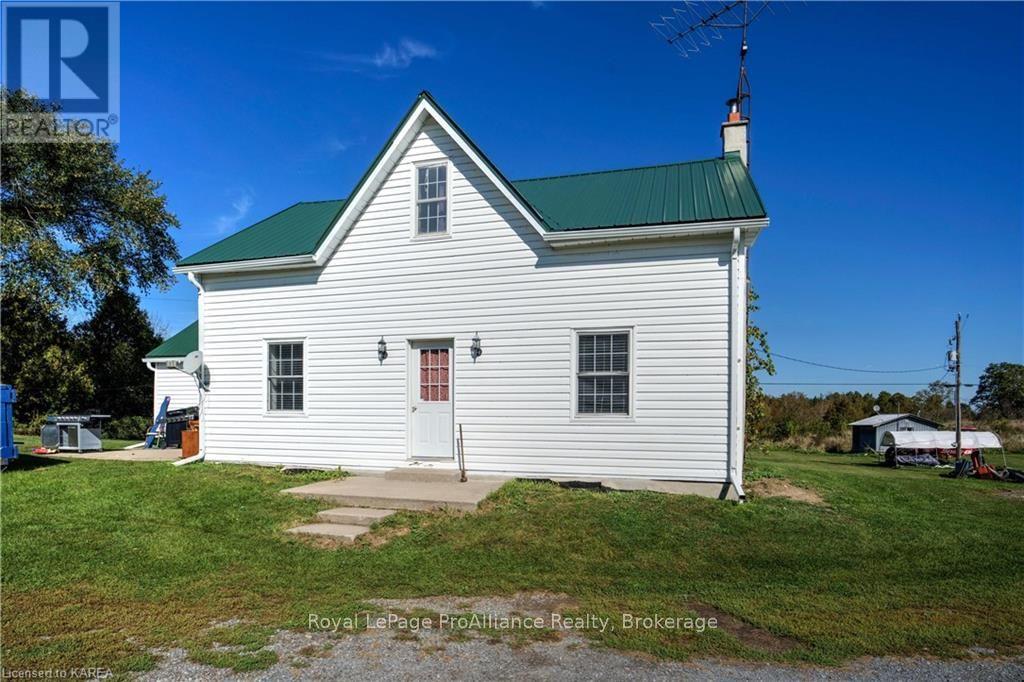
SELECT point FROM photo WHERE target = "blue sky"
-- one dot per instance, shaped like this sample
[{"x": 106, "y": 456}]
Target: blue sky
[{"x": 886, "y": 141}]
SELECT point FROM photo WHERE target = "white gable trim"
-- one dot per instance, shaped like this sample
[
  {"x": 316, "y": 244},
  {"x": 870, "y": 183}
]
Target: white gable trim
[{"x": 355, "y": 205}]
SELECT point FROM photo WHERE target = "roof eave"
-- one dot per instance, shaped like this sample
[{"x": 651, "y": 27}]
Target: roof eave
[
  {"x": 305, "y": 260},
  {"x": 750, "y": 227}
]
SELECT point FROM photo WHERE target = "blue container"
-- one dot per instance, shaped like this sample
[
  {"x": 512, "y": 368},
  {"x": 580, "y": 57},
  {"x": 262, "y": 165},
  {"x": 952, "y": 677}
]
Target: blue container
[{"x": 8, "y": 396}]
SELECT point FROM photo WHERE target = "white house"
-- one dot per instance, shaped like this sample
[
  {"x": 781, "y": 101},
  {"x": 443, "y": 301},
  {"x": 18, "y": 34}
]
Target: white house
[{"x": 581, "y": 326}]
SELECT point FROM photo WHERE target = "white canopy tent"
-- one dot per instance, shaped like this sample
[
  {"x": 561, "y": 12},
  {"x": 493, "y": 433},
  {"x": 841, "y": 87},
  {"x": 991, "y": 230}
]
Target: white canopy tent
[{"x": 940, "y": 440}]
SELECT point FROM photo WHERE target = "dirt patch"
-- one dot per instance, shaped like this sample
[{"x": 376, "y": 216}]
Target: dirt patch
[
  {"x": 1012, "y": 494},
  {"x": 382, "y": 536},
  {"x": 780, "y": 487},
  {"x": 749, "y": 635}
]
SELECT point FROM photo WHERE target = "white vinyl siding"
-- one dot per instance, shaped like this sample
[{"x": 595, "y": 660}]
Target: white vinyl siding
[
  {"x": 171, "y": 382},
  {"x": 493, "y": 276},
  {"x": 285, "y": 376}
]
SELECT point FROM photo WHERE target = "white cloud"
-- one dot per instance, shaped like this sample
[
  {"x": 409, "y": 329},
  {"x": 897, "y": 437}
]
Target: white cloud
[
  {"x": 336, "y": 145},
  {"x": 388, "y": 58},
  {"x": 402, "y": 56},
  {"x": 240, "y": 208}
]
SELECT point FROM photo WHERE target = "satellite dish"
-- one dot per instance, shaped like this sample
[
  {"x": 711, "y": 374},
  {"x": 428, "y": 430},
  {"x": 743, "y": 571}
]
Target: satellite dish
[
  {"x": 193, "y": 362},
  {"x": 876, "y": 408}
]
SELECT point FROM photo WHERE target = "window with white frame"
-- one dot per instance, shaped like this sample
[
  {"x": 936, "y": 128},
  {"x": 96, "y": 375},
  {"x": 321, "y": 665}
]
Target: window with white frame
[
  {"x": 284, "y": 376},
  {"x": 432, "y": 199},
  {"x": 602, "y": 373}
]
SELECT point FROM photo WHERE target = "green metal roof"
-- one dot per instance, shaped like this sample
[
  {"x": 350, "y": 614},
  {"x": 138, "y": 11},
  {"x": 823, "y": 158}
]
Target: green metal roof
[
  {"x": 179, "y": 345},
  {"x": 295, "y": 231},
  {"x": 698, "y": 191}
]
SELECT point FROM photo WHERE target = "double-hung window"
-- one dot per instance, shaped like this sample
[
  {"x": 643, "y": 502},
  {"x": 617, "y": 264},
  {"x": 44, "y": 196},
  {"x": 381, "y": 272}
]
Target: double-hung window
[
  {"x": 432, "y": 199},
  {"x": 602, "y": 373},
  {"x": 284, "y": 376}
]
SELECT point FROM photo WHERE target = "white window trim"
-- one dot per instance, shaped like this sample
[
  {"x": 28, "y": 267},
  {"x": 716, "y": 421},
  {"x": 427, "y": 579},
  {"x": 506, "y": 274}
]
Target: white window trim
[
  {"x": 574, "y": 344},
  {"x": 431, "y": 236},
  {"x": 285, "y": 414}
]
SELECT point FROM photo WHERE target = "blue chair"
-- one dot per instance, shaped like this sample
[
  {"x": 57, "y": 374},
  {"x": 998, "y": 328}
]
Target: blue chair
[{"x": 158, "y": 431}]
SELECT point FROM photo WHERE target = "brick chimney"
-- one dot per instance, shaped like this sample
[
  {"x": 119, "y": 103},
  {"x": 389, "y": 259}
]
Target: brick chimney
[{"x": 734, "y": 133}]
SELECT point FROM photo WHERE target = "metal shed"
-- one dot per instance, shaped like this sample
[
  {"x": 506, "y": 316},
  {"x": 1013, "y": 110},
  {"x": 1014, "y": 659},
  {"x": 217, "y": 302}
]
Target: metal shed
[{"x": 867, "y": 433}]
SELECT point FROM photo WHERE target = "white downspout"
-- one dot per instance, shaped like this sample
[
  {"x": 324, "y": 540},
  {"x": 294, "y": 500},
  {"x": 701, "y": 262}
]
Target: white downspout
[
  {"x": 198, "y": 284},
  {"x": 737, "y": 363}
]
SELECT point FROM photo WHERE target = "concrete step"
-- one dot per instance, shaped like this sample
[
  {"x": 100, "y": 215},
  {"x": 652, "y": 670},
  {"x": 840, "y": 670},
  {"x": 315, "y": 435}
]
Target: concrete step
[
  {"x": 336, "y": 531},
  {"x": 383, "y": 493},
  {"x": 422, "y": 474},
  {"x": 356, "y": 516}
]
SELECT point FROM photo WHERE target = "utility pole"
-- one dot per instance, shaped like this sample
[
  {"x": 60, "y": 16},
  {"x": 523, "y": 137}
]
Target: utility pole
[{"x": 957, "y": 363}]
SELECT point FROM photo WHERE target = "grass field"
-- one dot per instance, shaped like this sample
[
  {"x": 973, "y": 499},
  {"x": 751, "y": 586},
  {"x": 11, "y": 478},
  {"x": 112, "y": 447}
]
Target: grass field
[{"x": 102, "y": 561}]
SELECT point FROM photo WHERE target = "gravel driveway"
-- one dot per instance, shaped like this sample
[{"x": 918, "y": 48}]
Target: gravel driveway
[
  {"x": 389, "y": 654},
  {"x": 380, "y": 656}
]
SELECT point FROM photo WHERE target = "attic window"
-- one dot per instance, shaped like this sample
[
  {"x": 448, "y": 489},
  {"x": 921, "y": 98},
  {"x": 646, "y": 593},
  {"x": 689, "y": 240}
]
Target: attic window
[{"x": 432, "y": 199}]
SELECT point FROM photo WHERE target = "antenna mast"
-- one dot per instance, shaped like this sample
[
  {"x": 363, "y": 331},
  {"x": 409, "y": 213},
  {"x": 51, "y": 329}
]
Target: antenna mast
[{"x": 694, "y": 26}]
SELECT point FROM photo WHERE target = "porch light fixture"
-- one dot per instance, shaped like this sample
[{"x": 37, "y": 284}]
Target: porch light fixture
[
  {"x": 475, "y": 350},
  {"x": 382, "y": 350}
]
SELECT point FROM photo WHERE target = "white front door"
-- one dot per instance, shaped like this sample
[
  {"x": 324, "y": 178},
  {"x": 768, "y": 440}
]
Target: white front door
[{"x": 430, "y": 399}]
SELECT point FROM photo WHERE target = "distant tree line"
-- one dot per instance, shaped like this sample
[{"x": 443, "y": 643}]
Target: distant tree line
[
  {"x": 95, "y": 364},
  {"x": 823, "y": 420}
]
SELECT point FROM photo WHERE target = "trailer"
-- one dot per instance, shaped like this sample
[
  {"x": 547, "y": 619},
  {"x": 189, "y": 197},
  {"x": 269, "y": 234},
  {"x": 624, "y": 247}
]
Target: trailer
[{"x": 8, "y": 448}]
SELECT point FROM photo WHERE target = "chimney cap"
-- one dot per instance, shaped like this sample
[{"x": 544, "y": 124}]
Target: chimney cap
[{"x": 734, "y": 110}]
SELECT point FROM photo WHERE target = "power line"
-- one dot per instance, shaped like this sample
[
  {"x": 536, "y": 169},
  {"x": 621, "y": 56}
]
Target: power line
[
  {"x": 853, "y": 369},
  {"x": 840, "y": 383}
]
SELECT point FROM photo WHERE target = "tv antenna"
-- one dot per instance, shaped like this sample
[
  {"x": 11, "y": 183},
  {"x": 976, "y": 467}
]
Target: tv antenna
[{"x": 696, "y": 24}]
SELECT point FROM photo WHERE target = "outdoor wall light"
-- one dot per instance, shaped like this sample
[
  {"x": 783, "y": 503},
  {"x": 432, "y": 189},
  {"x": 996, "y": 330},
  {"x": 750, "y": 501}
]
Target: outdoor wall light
[
  {"x": 382, "y": 350},
  {"x": 475, "y": 350}
]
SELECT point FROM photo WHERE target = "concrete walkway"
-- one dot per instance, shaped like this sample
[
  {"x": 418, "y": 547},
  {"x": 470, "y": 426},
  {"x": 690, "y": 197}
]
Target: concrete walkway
[
  {"x": 369, "y": 499},
  {"x": 139, "y": 455}
]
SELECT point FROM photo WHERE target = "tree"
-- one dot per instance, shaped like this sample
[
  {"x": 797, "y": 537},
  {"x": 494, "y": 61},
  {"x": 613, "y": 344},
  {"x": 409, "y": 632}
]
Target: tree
[
  {"x": 75, "y": 222},
  {"x": 124, "y": 332},
  {"x": 935, "y": 401},
  {"x": 1000, "y": 392},
  {"x": 40, "y": 359},
  {"x": 842, "y": 409},
  {"x": 759, "y": 359},
  {"x": 76, "y": 226}
]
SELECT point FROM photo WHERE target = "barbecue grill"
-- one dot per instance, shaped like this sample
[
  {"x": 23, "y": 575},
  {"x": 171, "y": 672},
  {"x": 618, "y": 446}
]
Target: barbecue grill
[
  {"x": 177, "y": 421},
  {"x": 78, "y": 432}
]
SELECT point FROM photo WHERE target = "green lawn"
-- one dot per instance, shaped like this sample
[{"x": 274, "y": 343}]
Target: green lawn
[{"x": 103, "y": 560}]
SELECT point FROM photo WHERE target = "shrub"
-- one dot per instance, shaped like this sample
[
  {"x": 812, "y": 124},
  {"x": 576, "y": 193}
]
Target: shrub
[
  {"x": 126, "y": 428},
  {"x": 30, "y": 426}
]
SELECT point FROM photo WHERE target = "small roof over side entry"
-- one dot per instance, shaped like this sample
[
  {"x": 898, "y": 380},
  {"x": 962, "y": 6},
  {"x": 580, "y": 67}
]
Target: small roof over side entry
[{"x": 178, "y": 346}]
